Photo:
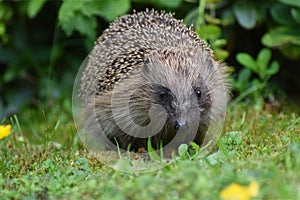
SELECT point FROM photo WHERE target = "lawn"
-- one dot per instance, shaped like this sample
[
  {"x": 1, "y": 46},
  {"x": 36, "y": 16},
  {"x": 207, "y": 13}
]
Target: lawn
[{"x": 43, "y": 158}]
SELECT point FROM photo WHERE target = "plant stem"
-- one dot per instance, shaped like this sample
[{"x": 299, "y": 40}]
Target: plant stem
[{"x": 201, "y": 9}]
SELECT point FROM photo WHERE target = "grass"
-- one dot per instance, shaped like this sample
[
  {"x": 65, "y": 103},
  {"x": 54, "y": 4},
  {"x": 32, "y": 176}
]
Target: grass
[{"x": 44, "y": 159}]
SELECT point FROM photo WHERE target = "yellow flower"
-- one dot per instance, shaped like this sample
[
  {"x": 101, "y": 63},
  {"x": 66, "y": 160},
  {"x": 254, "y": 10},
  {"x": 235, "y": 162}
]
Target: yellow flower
[
  {"x": 238, "y": 192},
  {"x": 4, "y": 131}
]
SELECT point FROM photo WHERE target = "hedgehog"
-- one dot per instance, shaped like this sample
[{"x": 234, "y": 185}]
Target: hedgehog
[{"x": 151, "y": 80}]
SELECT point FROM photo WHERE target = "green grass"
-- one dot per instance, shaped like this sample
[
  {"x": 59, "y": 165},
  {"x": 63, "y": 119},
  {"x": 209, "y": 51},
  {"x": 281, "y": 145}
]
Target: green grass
[{"x": 44, "y": 159}]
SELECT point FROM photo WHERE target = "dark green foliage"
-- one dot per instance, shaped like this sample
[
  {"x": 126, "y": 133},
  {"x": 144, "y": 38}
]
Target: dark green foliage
[
  {"x": 81, "y": 15},
  {"x": 284, "y": 34},
  {"x": 35, "y": 67}
]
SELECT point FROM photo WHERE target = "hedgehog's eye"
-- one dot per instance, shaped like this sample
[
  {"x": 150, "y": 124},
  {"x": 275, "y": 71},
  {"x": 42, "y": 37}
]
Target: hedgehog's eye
[
  {"x": 198, "y": 92},
  {"x": 163, "y": 94}
]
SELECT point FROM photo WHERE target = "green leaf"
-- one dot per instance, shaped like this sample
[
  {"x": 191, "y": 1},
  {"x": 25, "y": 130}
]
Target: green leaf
[
  {"x": 209, "y": 32},
  {"x": 247, "y": 61},
  {"x": 182, "y": 149},
  {"x": 290, "y": 51},
  {"x": 263, "y": 59},
  {"x": 68, "y": 9},
  {"x": 281, "y": 36},
  {"x": 109, "y": 10},
  {"x": 6, "y": 12},
  {"x": 219, "y": 43},
  {"x": 84, "y": 25},
  {"x": 244, "y": 75},
  {"x": 2, "y": 28},
  {"x": 10, "y": 75},
  {"x": 221, "y": 54},
  {"x": 274, "y": 68},
  {"x": 295, "y": 12},
  {"x": 282, "y": 14},
  {"x": 245, "y": 13},
  {"x": 167, "y": 4},
  {"x": 87, "y": 26},
  {"x": 34, "y": 6},
  {"x": 79, "y": 15},
  {"x": 291, "y": 2},
  {"x": 243, "y": 79}
]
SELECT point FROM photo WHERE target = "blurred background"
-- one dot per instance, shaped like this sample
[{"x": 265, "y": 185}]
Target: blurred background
[{"x": 43, "y": 43}]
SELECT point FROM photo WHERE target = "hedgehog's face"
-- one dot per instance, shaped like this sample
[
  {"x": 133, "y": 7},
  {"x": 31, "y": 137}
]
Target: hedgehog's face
[
  {"x": 176, "y": 84},
  {"x": 180, "y": 108}
]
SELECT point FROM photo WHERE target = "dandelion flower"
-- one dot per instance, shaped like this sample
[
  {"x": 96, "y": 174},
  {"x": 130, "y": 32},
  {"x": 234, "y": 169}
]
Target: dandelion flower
[
  {"x": 4, "y": 131},
  {"x": 238, "y": 192}
]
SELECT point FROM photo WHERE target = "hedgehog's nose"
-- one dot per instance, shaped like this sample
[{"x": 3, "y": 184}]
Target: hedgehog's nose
[{"x": 180, "y": 123}]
